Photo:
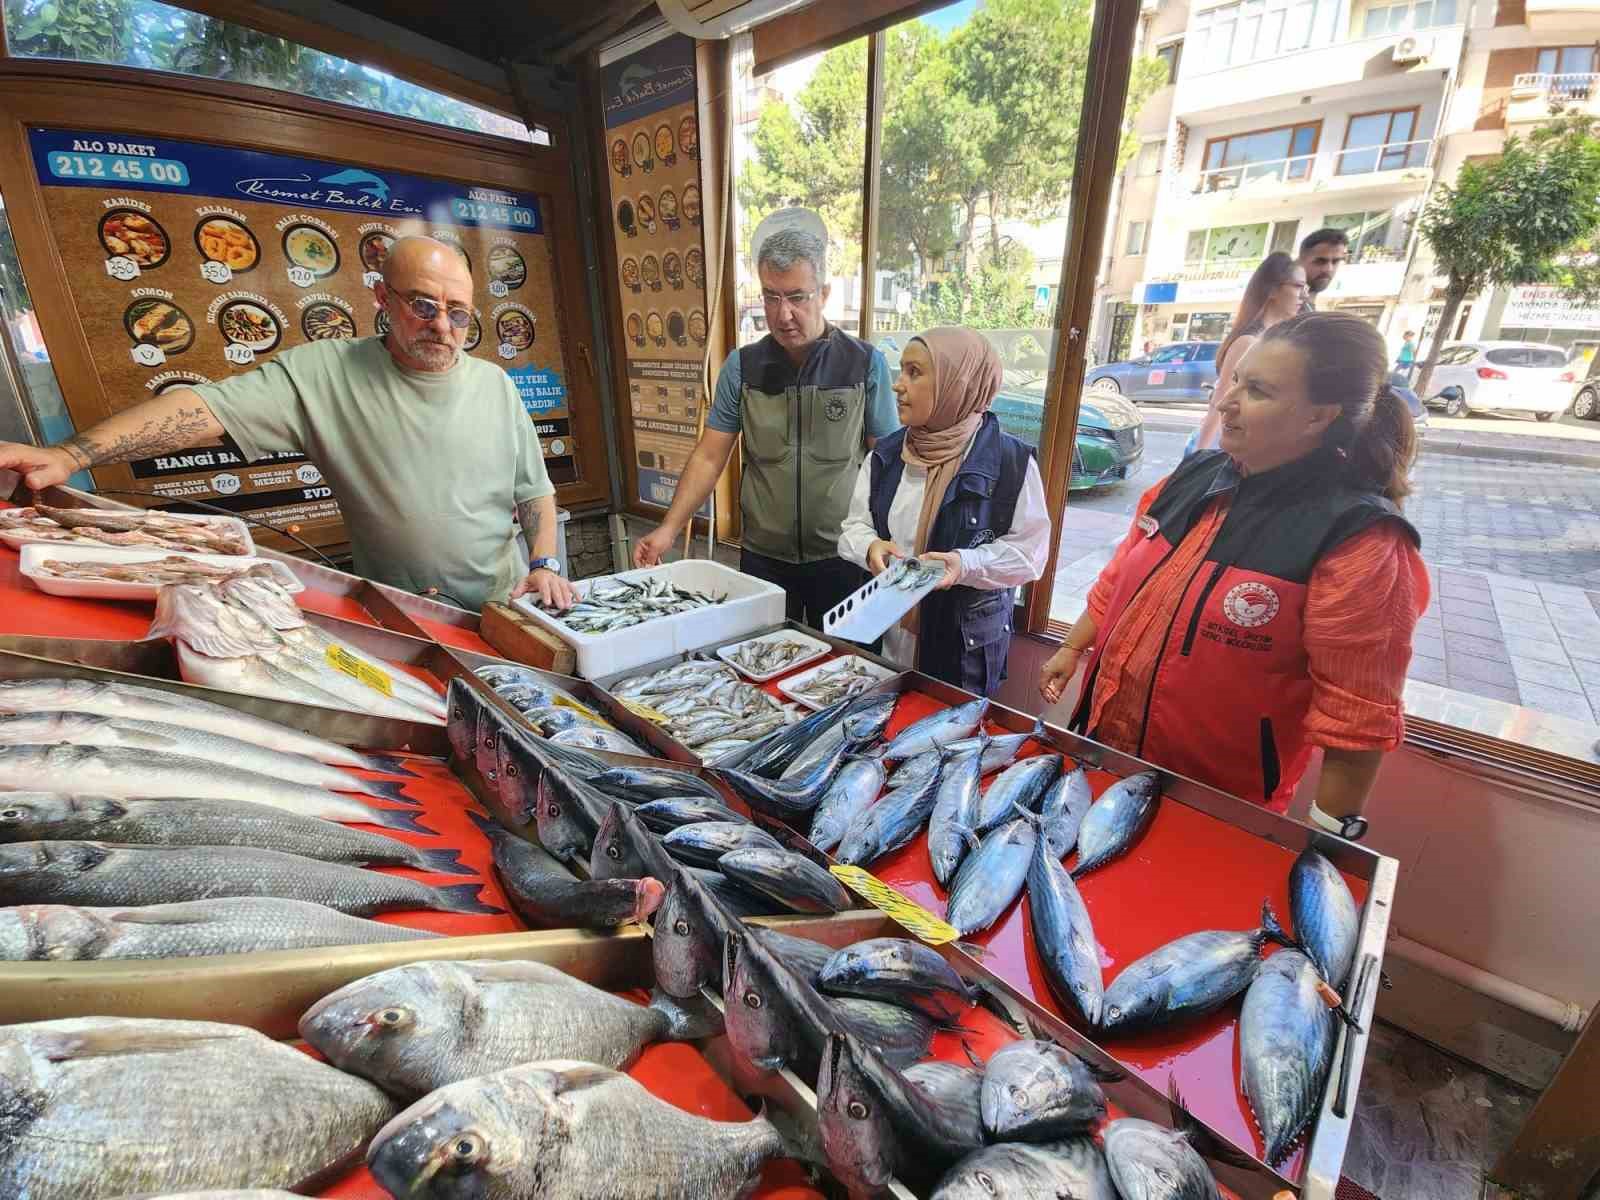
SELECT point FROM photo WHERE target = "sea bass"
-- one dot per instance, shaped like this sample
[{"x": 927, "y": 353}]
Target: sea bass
[
  {"x": 1324, "y": 915},
  {"x": 114, "y": 1106},
  {"x": 413, "y": 1029},
  {"x": 1117, "y": 820},
  {"x": 1286, "y": 1038},
  {"x": 192, "y": 929}
]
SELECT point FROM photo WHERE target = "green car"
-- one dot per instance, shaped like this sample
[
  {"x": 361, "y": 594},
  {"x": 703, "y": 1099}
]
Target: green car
[{"x": 1110, "y": 441}]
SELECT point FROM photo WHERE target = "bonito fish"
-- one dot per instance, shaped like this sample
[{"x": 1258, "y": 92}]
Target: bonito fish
[
  {"x": 190, "y": 929},
  {"x": 108, "y": 1106}
]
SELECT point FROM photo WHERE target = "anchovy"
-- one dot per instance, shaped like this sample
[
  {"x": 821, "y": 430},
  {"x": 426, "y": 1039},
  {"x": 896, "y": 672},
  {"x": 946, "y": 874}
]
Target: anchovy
[
  {"x": 1018, "y": 1171},
  {"x": 1286, "y": 1039},
  {"x": 1019, "y": 787},
  {"x": 667, "y": 814},
  {"x": 1036, "y": 1091},
  {"x": 1148, "y": 1162},
  {"x": 764, "y": 657},
  {"x": 1190, "y": 977},
  {"x": 852, "y": 792},
  {"x": 1324, "y": 915},
  {"x": 954, "y": 817},
  {"x": 937, "y": 729},
  {"x": 791, "y": 879},
  {"x": 653, "y": 783},
  {"x": 1066, "y": 802},
  {"x": 998, "y": 751},
  {"x": 889, "y": 824},
  {"x": 547, "y": 895},
  {"x": 899, "y": 971},
  {"x": 705, "y": 842},
  {"x": 1117, "y": 820},
  {"x": 992, "y": 877},
  {"x": 1063, "y": 934}
]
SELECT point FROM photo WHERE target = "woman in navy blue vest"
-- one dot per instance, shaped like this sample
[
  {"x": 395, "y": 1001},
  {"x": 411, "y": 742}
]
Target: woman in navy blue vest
[{"x": 951, "y": 486}]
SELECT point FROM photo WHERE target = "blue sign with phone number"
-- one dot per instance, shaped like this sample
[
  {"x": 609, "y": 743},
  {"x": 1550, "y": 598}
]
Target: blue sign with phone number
[{"x": 77, "y": 158}]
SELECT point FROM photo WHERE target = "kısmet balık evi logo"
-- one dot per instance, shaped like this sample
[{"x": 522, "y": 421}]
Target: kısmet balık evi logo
[
  {"x": 349, "y": 188},
  {"x": 1250, "y": 604}
]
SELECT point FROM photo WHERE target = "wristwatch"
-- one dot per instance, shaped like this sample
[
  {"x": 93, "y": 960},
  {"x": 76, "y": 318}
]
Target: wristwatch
[
  {"x": 1352, "y": 828},
  {"x": 553, "y": 565}
]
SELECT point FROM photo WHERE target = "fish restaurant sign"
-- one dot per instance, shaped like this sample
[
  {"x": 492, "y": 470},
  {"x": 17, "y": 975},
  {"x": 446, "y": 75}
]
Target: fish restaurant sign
[
  {"x": 75, "y": 158},
  {"x": 657, "y": 77}
]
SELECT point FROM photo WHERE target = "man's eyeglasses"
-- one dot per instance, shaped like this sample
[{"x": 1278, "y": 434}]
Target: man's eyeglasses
[
  {"x": 794, "y": 299},
  {"x": 426, "y": 309}
]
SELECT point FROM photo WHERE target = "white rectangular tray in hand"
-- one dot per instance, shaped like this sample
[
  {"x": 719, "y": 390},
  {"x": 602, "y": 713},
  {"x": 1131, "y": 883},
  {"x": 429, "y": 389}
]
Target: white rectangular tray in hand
[
  {"x": 35, "y": 555},
  {"x": 815, "y": 647},
  {"x": 19, "y": 537},
  {"x": 752, "y": 604},
  {"x": 868, "y": 612},
  {"x": 795, "y": 684}
]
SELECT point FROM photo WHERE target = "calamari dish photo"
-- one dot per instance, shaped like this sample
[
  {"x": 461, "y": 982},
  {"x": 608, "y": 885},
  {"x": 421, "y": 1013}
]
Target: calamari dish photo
[
  {"x": 226, "y": 241},
  {"x": 689, "y": 137},
  {"x": 248, "y": 324},
  {"x": 156, "y": 322},
  {"x": 374, "y": 250},
  {"x": 322, "y": 321},
  {"x": 131, "y": 234},
  {"x": 506, "y": 265},
  {"x": 309, "y": 247},
  {"x": 515, "y": 329}
]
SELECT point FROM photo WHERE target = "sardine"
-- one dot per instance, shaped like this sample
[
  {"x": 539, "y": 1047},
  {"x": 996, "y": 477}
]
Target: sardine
[
  {"x": 889, "y": 824},
  {"x": 565, "y": 1131},
  {"x": 1018, "y": 1171},
  {"x": 1148, "y": 1162},
  {"x": 705, "y": 842},
  {"x": 1324, "y": 913},
  {"x": 1066, "y": 802},
  {"x": 1286, "y": 1039},
  {"x": 791, "y": 879},
  {"x": 1190, "y": 977},
  {"x": 1035, "y": 1091},
  {"x": 688, "y": 935},
  {"x": 937, "y": 729},
  {"x": 951, "y": 825},
  {"x": 991, "y": 877},
  {"x": 607, "y": 605},
  {"x": 1117, "y": 820},
  {"x": 108, "y": 1106},
  {"x": 547, "y": 895},
  {"x": 415, "y": 1028},
  {"x": 1063, "y": 934},
  {"x": 653, "y": 783},
  {"x": 835, "y": 681},
  {"x": 132, "y": 703},
  {"x": 53, "y": 817},
  {"x": 851, "y": 793},
  {"x": 1019, "y": 786},
  {"x": 94, "y": 873},
  {"x": 668, "y": 813},
  {"x": 899, "y": 971},
  {"x": 197, "y": 928},
  {"x": 768, "y": 656}
]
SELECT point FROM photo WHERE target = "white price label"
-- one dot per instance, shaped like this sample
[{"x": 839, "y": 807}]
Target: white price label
[
  {"x": 239, "y": 356},
  {"x": 121, "y": 267},
  {"x": 371, "y": 278},
  {"x": 497, "y": 288},
  {"x": 507, "y": 350},
  {"x": 216, "y": 272},
  {"x": 301, "y": 277},
  {"x": 147, "y": 355},
  {"x": 558, "y": 447}
]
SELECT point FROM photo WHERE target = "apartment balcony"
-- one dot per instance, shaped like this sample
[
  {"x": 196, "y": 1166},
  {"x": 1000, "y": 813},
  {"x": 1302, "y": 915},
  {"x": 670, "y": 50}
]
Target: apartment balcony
[
  {"x": 1351, "y": 68},
  {"x": 1395, "y": 169},
  {"x": 1561, "y": 16},
  {"x": 1536, "y": 98}
]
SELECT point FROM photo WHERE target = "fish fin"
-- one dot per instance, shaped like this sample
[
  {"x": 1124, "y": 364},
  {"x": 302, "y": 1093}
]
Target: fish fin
[
  {"x": 1038, "y": 732},
  {"x": 389, "y": 764},
  {"x": 391, "y": 818},
  {"x": 972, "y": 949},
  {"x": 1032, "y": 818},
  {"x": 687, "y": 1020},
  {"x": 1273, "y": 930},
  {"x": 445, "y": 862},
  {"x": 1101, "y": 1074},
  {"x": 972, "y": 1056},
  {"x": 388, "y": 790},
  {"x": 107, "y": 1043},
  {"x": 1205, "y": 1143},
  {"x": 575, "y": 1076},
  {"x": 463, "y": 898},
  {"x": 488, "y": 826},
  {"x": 966, "y": 835}
]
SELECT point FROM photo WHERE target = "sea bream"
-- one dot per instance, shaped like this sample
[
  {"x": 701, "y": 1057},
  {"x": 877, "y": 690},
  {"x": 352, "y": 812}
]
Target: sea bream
[
  {"x": 112, "y": 1106},
  {"x": 1286, "y": 1039},
  {"x": 189, "y": 929},
  {"x": 565, "y": 1131},
  {"x": 415, "y": 1028},
  {"x": 133, "y": 703}
]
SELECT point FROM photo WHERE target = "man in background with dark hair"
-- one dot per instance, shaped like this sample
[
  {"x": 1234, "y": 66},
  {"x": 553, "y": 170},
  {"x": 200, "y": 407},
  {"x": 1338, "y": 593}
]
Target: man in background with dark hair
[{"x": 1322, "y": 254}]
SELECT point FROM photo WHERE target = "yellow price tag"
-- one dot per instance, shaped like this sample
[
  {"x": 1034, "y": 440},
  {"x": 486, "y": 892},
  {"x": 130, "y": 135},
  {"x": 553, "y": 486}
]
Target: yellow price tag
[
  {"x": 582, "y": 710},
  {"x": 644, "y": 710},
  {"x": 880, "y": 895},
  {"x": 341, "y": 659}
]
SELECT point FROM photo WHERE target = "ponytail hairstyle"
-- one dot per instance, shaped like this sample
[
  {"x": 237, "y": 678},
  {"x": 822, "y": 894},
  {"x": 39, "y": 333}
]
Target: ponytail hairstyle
[{"x": 1346, "y": 364}]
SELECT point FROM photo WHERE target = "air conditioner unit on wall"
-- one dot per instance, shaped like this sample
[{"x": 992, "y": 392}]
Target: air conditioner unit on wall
[
  {"x": 1412, "y": 49},
  {"x": 713, "y": 19}
]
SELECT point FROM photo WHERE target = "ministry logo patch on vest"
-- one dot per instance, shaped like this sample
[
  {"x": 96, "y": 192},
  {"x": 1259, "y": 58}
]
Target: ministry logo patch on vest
[
  {"x": 834, "y": 410},
  {"x": 1250, "y": 604}
]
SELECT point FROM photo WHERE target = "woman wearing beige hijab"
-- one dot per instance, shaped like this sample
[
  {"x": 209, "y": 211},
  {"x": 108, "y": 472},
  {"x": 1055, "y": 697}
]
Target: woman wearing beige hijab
[{"x": 953, "y": 487}]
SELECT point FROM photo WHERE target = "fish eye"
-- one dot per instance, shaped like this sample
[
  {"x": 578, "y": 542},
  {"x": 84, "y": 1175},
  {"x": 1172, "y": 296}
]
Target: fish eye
[
  {"x": 391, "y": 1017},
  {"x": 489, "y": 740},
  {"x": 511, "y": 770},
  {"x": 985, "y": 1182},
  {"x": 554, "y": 810},
  {"x": 460, "y": 714},
  {"x": 752, "y": 999},
  {"x": 614, "y": 853},
  {"x": 467, "y": 1148},
  {"x": 11, "y": 814},
  {"x": 1113, "y": 1012},
  {"x": 857, "y": 1110},
  {"x": 680, "y": 927},
  {"x": 1163, "y": 1175},
  {"x": 1018, "y": 1094}
]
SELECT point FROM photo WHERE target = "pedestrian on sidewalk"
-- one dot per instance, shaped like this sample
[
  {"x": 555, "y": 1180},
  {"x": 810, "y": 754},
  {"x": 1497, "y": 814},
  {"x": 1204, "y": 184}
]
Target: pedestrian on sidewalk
[
  {"x": 1275, "y": 293},
  {"x": 1407, "y": 360},
  {"x": 1264, "y": 600}
]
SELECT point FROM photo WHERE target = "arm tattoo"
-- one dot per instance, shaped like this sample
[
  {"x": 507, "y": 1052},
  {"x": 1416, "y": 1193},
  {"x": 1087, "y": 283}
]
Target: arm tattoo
[
  {"x": 529, "y": 517},
  {"x": 177, "y": 431}
]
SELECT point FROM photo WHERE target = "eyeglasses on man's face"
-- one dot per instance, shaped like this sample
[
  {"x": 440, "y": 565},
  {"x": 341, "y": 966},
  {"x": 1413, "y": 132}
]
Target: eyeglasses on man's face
[
  {"x": 792, "y": 299},
  {"x": 425, "y": 308}
]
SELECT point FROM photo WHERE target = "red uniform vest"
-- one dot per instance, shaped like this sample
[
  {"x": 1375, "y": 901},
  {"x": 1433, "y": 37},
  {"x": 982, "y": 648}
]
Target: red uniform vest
[{"x": 1228, "y": 702}]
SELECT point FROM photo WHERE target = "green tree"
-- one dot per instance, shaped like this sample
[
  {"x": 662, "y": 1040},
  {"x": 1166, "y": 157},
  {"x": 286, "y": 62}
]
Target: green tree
[
  {"x": 997, "y": 295},
  {"x": 1524, "y": 217}
]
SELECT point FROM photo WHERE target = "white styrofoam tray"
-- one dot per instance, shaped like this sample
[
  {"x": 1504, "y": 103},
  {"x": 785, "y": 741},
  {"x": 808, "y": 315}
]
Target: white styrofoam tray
[
  {"x": 752, "y": 604},
  {"x": 866, "y": 613},
  {"x": 36, "y": 554},
  {"x": 791, "y": 686},
  {"x": 18, "y": 538},
  {"x": 817, "y": 649}
]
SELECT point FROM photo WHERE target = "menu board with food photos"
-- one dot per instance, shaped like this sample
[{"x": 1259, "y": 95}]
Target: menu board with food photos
[
  {"x": 189, "y": 263},
  {"x": 653, "y": 147}
]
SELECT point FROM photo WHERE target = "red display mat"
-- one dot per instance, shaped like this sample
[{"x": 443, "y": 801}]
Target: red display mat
[{"x": 1190, "y": 872}]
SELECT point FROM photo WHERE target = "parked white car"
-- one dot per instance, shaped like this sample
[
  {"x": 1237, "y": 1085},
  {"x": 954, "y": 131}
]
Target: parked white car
[{"x": 1501, "y": 377}]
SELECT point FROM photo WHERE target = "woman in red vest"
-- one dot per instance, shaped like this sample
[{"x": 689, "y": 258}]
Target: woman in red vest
[{"x": 1264, "y": 600}]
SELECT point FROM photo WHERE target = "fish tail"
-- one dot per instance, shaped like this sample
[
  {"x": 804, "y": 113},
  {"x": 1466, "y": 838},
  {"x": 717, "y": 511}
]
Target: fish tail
[
  {"x": 463, "y": 898},
  {"x": 444, "y": 862},
  {"x": 687, "y": 1020},
  {"x": 388, "y": 764},
  {"x": 407, "y": 822},
  {"x": 1038, "y": 733},
  {"x": 387, "y": 790},
  {"x": 1272, "y": 929},
  {"x": 1028, "y": 815}
]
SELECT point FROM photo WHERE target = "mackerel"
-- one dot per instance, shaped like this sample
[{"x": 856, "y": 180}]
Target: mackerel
[
  {"x": 1286, "y": 1037},
  {"x": 992, "y": 877},
  {"x": 1066, "y": 802},
  {"x": 998, "y": 751},
  {"x": 1036, "y": 1091},
  {"x": 1324, "y": 914},
  {"x": 1019, "y": 787},
  {"x": 1063, "y": 934}
]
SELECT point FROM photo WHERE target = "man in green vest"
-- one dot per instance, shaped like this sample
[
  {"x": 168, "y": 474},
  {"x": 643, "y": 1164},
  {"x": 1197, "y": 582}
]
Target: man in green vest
[{"x": 810, "y": 401}]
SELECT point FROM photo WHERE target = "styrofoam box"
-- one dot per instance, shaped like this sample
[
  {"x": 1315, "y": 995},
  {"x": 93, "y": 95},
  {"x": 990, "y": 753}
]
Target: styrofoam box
[
  {"x": 752, "y": 604},
  {"x": 20, "y": 537},
  {"x": 791, "y": 686},
  {"x": 815, "y": 646},
  {"x": 35, "y": 554}
]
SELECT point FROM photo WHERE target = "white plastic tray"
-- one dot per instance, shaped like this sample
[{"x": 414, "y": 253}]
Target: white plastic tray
[
  {"x": 752, "y": 604},
  {"x": 788, "y": 686},
  {"x": 866, "y": 613},
  {"x": 818, "y": 649},
  {"x": 38, "y": 553},
  {"x": 18, "y": 538}
]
